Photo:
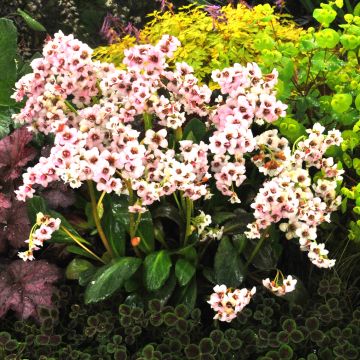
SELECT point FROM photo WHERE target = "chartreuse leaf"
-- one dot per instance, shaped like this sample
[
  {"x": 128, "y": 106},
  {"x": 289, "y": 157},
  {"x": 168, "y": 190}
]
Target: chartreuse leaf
[
  {"x": 76, "y": 267},
  {"x": 357, "y": 102},
  {"x": 111, "y": 277},
  {"x": 341, "y": 102},
  {"x": 228, "y": 266},
  {"x": 156, "y": 269},
  {"x": 325, "y": 16},
  {"x": 290, "y": 128},
  {"x": 8, "y": 46},
  {"x": 184, "y": 271}
]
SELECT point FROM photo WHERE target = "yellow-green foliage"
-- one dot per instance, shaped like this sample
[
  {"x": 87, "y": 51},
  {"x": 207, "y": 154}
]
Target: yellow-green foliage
[{"x": 246, "y": 35}]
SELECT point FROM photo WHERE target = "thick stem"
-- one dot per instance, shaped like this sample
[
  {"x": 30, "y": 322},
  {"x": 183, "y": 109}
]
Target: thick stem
[
  {"x": 147, "y": 121},
  {"x": 188, "y": 210},
  {"x": 178, "y": 134},
  {"x": 257, "y": 248},
  {"x": 96, "y": 218},
  {"x": 133, "y": 225},
  {"x": 81, "y": 245}
]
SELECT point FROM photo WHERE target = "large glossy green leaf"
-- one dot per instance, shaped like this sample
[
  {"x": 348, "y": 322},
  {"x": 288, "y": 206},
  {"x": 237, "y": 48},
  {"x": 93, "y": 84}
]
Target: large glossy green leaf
[
  {"x": 35, "y": 205},
  {"x": 168, "y": 211},
  {"x": 8, "y": 46},
  {"x": 146, "y": 233},
  {"x": 75, "y": 249},
  {"x": 238, "y": 224},
  {"x": 228, "y": 266},
  {"x": 115, "y": 224},
  {"x": 184, "y": 271},
  {"x": 111, "y": 277},
  {"x": 269, "y": 253},
  {"x": 156, "y": 269},
  {"x": 164, "y": 293},
  {"x": 76, "y": 267},
  {"x": 187, "y": 294}
]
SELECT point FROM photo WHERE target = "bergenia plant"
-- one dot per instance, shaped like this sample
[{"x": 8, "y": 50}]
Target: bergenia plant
[{"x": 168, "y": 164}]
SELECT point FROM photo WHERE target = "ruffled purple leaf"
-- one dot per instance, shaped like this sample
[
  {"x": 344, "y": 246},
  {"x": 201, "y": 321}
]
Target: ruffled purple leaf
[
  {"x": 58, "y": 194},
  {"x": 26, "y": 286},
  {"x": 15, "y": 153}
]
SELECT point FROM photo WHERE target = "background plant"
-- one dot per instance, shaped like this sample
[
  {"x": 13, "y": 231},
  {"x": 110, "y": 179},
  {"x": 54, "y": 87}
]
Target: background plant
[{"x": 269, "y": 328}]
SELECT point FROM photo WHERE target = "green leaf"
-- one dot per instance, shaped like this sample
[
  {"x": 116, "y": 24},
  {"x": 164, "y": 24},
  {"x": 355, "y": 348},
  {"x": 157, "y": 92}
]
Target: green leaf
[
  {"x": 30, "y": 22},
  {"x": 168, "y": 211},
  {"x": 76, "y": 267},
  {"x": 238, "y": 224},
  {"x": 195, "y": 130},
  {"x": 290, "y": 128},
  {"x": 228, "y": 266},
  {"x": 268, "y": 255},
  {"x": 35, "y": 205},
  {"x": 341, "y": 102},
  {"x": 327, "y": 38},
  {"x": 156, "y": 269},
  {"x": 187, "y": 294},
  {"x": 86, "y": 276},
  {"x": 357, "y": 102},
  {"x": 239, "y": 241},
  {"x": 164, "y": 293},
  {"x": 74, "y": 249},
  {"x": 325, "y": 16},
  {"x": 5, "y": 122},
  {"x": 115, "y": 225},
  {"x": 8, "y": 46},
  {"x": 110, "y": 278},
  {"x": 189, "y": 253},
  {"x": 61, "y": 236},
  {"x": 220, "y": 217},
  {"x": 146, "y": 232},
  {"x": 184, "y": 271}
]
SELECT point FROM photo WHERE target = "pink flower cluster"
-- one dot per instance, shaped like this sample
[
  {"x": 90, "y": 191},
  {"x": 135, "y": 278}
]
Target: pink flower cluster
[
  {"x": 250, "y": 97},
  {"x": 292, "y": 194},
  {"x": 95, "y": 112},
  {"x": 41, "y": 231},
  {"x": 228, "y": 303},
  {"x": 280, "y": 288}
]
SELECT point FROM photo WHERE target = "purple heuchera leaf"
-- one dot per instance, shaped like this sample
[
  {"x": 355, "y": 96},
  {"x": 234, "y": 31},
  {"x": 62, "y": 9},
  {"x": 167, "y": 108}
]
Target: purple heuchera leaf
[
  {"x": 58, "y": 194},
  {"x": 5, "y": 202},
  {"x": 24, "y": 286},
  {"x": 18, "y": 224},
  {"x": 14, "y": 153},
  {"x": 14, "y": 224}
]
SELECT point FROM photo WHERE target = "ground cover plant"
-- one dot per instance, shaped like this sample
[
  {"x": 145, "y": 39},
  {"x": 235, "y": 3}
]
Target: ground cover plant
[{"x": 206, "y": 197}]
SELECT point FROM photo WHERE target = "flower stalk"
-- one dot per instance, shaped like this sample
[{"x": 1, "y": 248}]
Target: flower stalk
[
  {"x": 67, "y": 232},
  {"x": 99, "y": 228}
]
